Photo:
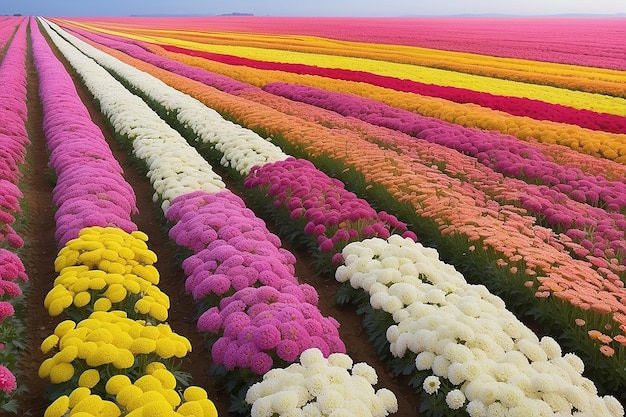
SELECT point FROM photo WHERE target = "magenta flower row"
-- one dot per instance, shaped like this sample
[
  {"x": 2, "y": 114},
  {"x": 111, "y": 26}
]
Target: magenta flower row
[
  {"x": 334, "y": 216},
  {"x": 503, "y": 153},
  {"x": 13, "y": 142},
  {"x": 259, "y": 315},
  {"x": 90, "y": 188},
  {"x": 13, "y": 134}
]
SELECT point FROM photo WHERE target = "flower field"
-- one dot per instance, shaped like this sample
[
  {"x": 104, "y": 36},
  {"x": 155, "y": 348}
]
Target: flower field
[{"x": 312, "y": 217}]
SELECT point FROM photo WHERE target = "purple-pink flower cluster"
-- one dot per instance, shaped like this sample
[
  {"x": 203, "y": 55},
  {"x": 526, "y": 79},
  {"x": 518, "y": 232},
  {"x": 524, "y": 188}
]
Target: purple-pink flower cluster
[
  {"x": 503, "y": 153},
  {"x": 255, "y": 307},
  {"x": 90, "y": 188},
  {"x": 11, "y": 273},
  {"x": 334, "y": 216},
  {"x": 260, "y": 326},
  {"x": 232, "y": 247}
]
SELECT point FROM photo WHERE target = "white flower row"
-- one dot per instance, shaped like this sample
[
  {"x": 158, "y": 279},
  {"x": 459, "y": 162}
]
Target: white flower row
[
  {"x": 318, "y": 387},
  {"x": 465, "y": 334},
  {"x": 242, "y": 148},
  {"x": 174, "y": 167}
]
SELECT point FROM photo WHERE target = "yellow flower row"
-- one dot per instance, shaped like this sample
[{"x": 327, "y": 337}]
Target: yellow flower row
[
  {"x": 573, "y": 77},
  {"x": 104, "y": 267},
  {"x": 153, "y": 394},
  {"x": 104, "y": 353},
  {"x": 428, "y": 75},
  {"x": 596, "y": 143},
  {"x": 107, "y": 338}
]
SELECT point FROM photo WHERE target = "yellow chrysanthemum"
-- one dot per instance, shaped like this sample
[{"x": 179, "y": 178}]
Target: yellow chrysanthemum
[
  {"x": 194, "y": 393},
  {"x": 56, "y": 292},
  {"x": 149, "y": 398},
  {"x": 168, "y": 380},
  {"x": 97, "y": 284},
  {"x": 61, "y": 372},
  {"x": 135, "y": 329},
  {"x": 124, "y": 360},
  {"x": 116, "y": 383},
  {"x": 71, "y": 339},
  {"x": 102, "y": 304},
  {"x": 49, "y": 343},
  {"x": 138, "y": 234},
  {"x": 172, "y": 397},
  {"x": 158, "y": 311},
  {"x": 143, "y": 305},
  {"x": 58, "y": 305},
  {"x": 126, "y": 394},
  {"x": 103, "y": 355},
  {"x": 91, "y": 404},
  {"x": 81, "y": 284},
  {"x": 114, "y": 279},
  {"x": 64, "y": 327},
  {"x": 82, "y": 299},
  {"x": 109, "y": 409},
  {"x": 123, "y": 339},
  {"x": 131, "y": 284},
  {"x": 154, "y": 366},
  {"x": 208, "y": 407},
  {"x": 78, "y": 394},
  {"x": 58, "y": 408},
  {"x": 116, "y": 293},
  {"x": 149, "y": 383},
  {"x": 151, "y": 332},
  {"x": 87, "y": 349},
  {"x": 165, "y": 348},
  {"x": 192, "y": 408},
  {"x": 67, "y": 354},
  {"x": 45, "y": 367},
  {"x": 143, "y": 345},
  {"x": 100, "y": 335},
  {"x": 89, "y": 378}
]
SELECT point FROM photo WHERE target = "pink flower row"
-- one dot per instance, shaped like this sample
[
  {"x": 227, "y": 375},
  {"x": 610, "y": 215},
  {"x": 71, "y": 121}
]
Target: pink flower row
[
  {"x": 334, "y": 216},
  {"x": 503, "y": 153},
  {"x": 13, "y": 142},
  {"x": 90, "y": 188},
  {"x": 257, "y": 313}
]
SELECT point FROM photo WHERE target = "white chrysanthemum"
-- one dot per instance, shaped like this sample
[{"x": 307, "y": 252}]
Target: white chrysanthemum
[
  {"x": 557, "y": 402},
  {"x": 531, "y": 350},
  {"x": 401, "y": 315},
  {"x": 613, "y": 405},
  {"x": 473, "y": 368},
  {"x": 431, "y": 384},
  {"x": 388, "y": 400},
  {"x": 575, "y": 362},
  {"x": 341, "y": 360},
  {"x": 504, "y": 371},
  {"x": 456, "y": 352},
  {"x": 455, "y": 399},
  {"x": 329, "y": 400},
  {"x": 262, "y": 407},
  {"x": 496, "y": 409},
  {"x": 316, "y": 384},
  {"x": 337, "y": 376},
  {"x": 311, "y": 357},
  {"x": 366, "y": 371},
  {"x": 311, "y": 410},
  {"x": 284, "y": 400},
  {"x": 440, "y": 366},
  {"x": 476, "y": 408}
]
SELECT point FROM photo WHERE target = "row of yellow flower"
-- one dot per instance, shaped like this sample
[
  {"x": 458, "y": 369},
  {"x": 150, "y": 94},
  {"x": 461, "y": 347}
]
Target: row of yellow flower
[
  {"x": 572, "y": 77},
  {"x": 114, "y": 353},
  {"x": 596, "y": 143}
]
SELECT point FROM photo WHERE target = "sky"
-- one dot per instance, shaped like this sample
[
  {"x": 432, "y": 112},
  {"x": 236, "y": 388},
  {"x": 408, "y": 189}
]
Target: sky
[{"x": 357, "y": 8}]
